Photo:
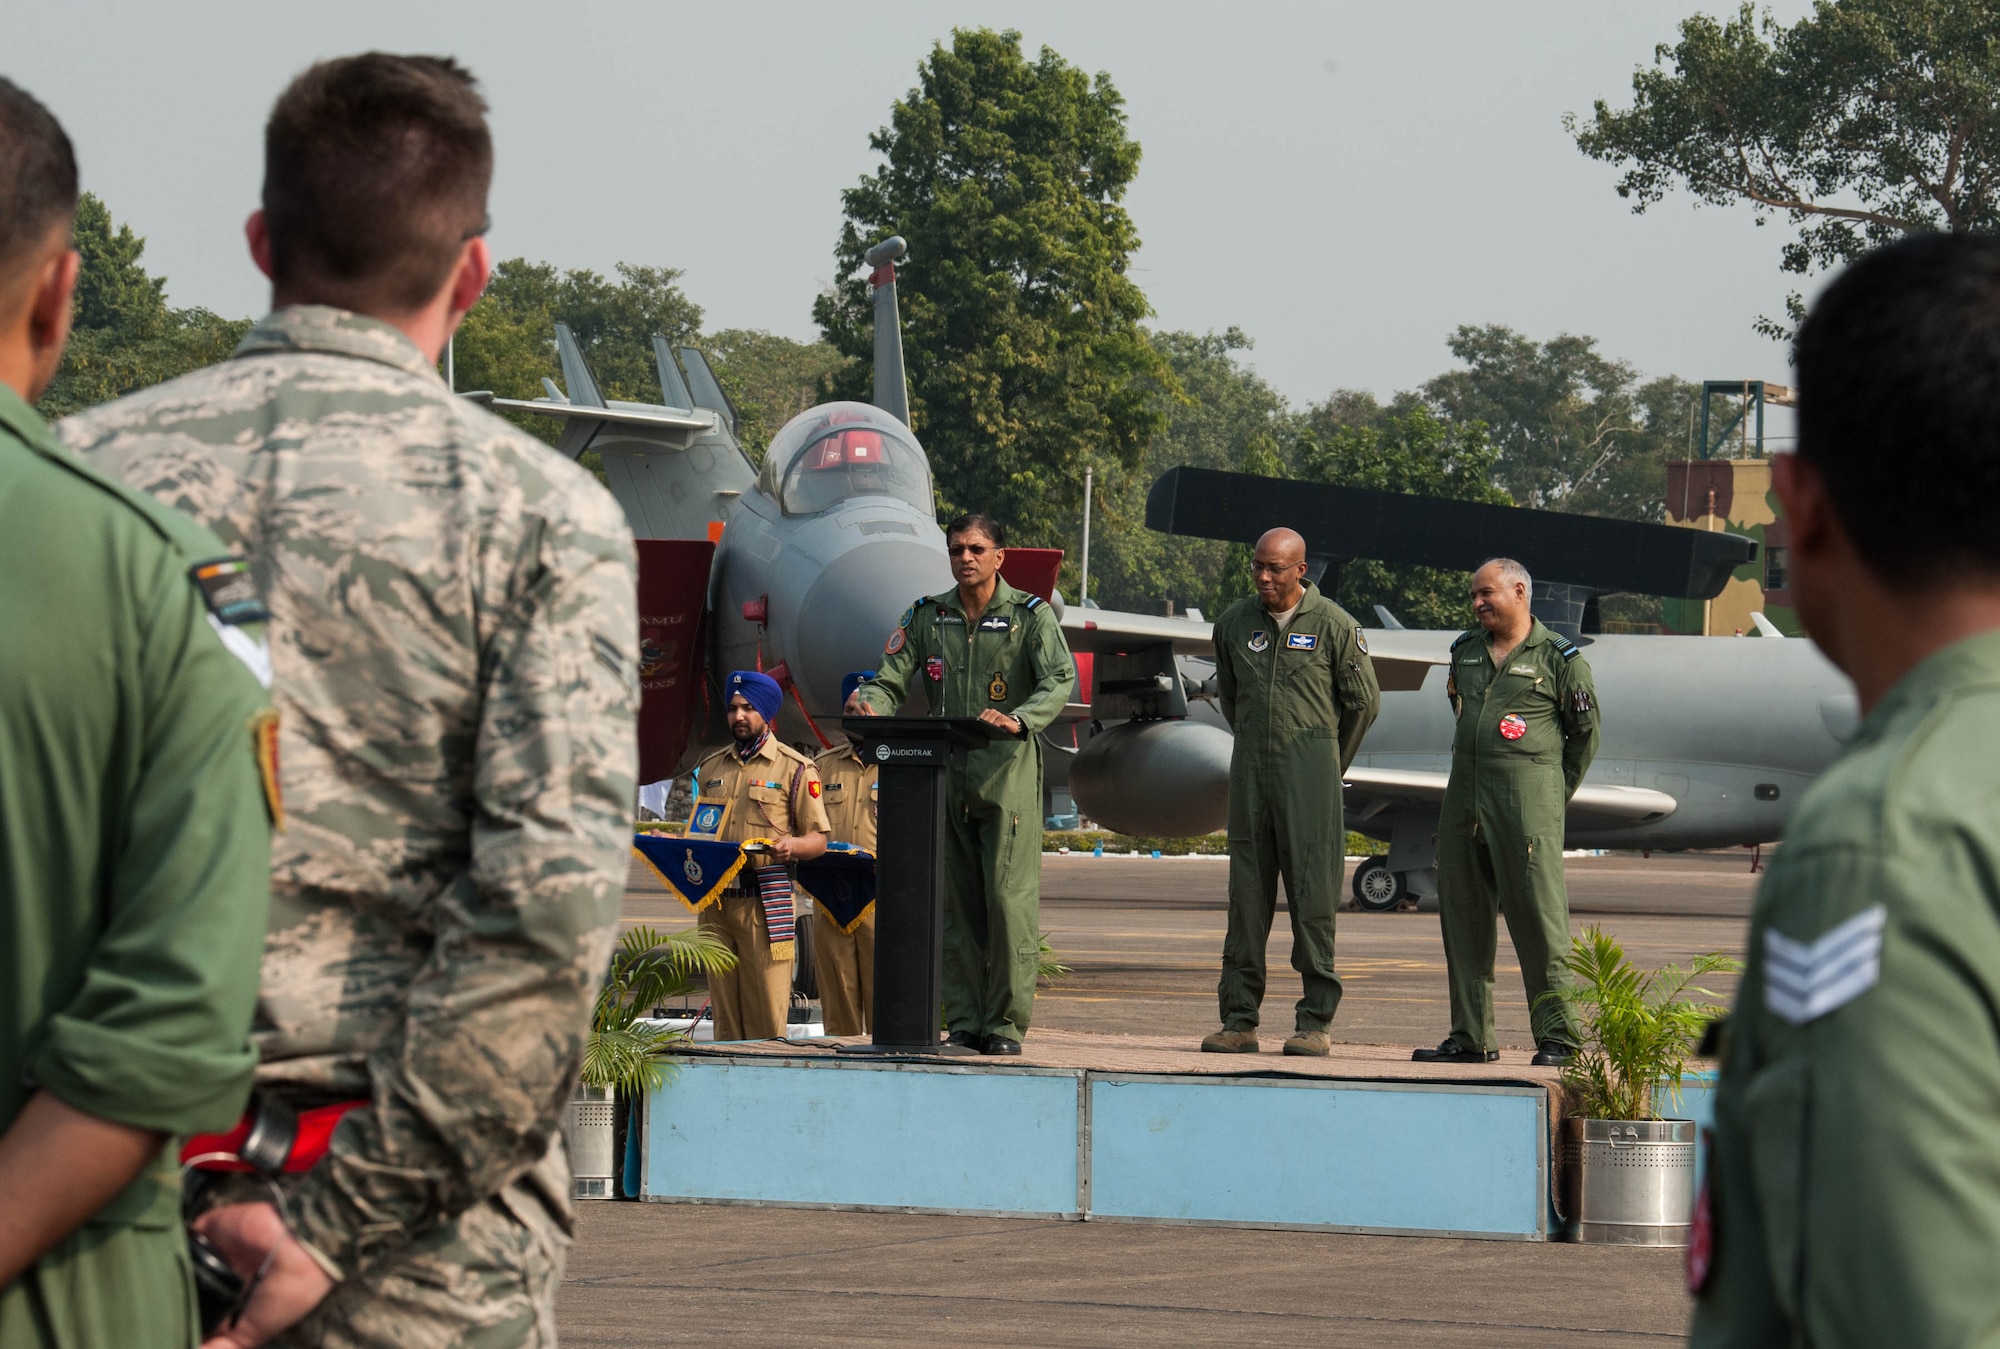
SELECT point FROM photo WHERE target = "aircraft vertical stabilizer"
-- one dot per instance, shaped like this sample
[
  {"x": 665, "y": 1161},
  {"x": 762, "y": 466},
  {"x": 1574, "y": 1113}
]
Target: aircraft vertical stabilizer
[
  {"x": 582, "y": 384},
  {"x": 892, "y": 389},
  {"x": 672, "y": 387},
  {"x": 578, "y": 432},
  {"x": 707, "y": 389}
]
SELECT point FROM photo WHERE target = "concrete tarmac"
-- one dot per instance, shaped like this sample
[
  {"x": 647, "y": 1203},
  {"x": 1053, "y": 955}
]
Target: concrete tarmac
[{"x": 1144, "y": 939}]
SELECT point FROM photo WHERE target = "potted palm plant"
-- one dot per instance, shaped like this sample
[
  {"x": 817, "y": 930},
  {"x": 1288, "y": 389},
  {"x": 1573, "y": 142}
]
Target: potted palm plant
[
  {"x": 1627, "y": 1173},
  {"x": 625, "y": 1057}
]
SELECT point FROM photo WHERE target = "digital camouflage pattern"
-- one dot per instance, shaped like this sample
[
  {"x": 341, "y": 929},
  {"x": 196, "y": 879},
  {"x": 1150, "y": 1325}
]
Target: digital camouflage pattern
[{"x": 453, "y": 639}]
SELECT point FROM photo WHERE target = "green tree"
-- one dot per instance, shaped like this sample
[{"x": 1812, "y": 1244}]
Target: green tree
[
  {"x": 1025, "y": 353},
  {"x": 1576, "y": 430},
  {"x": 1864, "y": 121},
  {"x": 770, "y": 379},
  {"x": 125, "y": 336},
  {"x": 1403, "y": 448},
  {"x": 1230, "y": 419}
]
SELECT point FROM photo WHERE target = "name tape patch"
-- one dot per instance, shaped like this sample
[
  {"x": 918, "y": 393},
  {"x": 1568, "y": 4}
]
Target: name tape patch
[
  {"x": 1803, "y": 981},
  {"x": 229, "y": 590}
]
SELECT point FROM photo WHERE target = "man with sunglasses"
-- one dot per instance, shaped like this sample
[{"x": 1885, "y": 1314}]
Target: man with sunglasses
[{"x": 985, "y": 650}]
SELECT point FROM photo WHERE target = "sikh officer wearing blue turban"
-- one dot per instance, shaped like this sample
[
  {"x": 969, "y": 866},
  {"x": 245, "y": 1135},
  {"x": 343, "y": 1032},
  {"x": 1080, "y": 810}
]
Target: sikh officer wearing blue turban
[{"x": 771, "y": 792}]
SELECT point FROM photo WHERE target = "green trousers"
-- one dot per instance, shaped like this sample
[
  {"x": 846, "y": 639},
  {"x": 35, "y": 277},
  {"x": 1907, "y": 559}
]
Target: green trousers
[
  {"x": 1284, "y": 820},
  {"x": 1500, "y": 846},
  {"x": 992, "y": 912}
]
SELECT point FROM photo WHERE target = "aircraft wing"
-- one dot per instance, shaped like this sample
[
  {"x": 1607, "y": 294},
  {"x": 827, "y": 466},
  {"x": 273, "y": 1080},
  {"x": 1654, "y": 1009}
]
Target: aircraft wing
[
  {"x": 1592, "y": 807},
  {"x": 665, "y": 418},
  {"x": 1402, "y": 656}
]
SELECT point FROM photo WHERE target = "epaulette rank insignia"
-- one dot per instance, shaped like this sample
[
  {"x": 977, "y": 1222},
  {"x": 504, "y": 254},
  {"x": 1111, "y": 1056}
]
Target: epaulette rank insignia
[{"x": 1034, "y": 601}]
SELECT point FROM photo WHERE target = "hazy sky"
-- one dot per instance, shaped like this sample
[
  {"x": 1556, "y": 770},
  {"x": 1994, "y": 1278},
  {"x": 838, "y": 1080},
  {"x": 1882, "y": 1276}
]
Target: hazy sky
[{"x": 1344, "y": 182}]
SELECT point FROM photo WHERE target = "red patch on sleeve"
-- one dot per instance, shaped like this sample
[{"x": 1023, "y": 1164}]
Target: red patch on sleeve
[{"x": 812, "y": 790}]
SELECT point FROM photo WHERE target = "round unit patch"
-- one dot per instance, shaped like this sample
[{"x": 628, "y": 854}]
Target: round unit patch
[
  {"x": 896, "y": 640},
  {"x": 1512, "y": 727}
]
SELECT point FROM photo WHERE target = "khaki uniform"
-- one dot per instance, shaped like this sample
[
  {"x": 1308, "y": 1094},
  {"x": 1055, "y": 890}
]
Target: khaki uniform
[
  {"x": 1527, "y": 731},
  {"x": 134, "y": 866},
  {"x": 1854, "y": 1182},
  {"x": 775, "y": 793},
  {"x": 1299, "y": 699},
  {"x": 845, "y": 961},
  {"x": 453, "y": 637},
  {"x": 1013, "y": 660}
]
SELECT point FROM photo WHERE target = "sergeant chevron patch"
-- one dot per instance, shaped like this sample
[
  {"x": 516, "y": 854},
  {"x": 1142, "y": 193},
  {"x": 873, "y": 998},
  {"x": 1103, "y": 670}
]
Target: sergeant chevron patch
[{"x": 1803, "y": 981}]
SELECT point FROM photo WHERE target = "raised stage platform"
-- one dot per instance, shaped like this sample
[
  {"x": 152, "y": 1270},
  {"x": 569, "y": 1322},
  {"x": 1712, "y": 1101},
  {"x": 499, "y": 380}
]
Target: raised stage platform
[{"x": 1114, "y": 1128}]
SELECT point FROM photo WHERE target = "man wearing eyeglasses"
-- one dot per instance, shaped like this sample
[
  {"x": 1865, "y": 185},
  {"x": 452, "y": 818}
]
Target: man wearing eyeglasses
[
  {"x": 985, "y": 650},
  {"x": 1299, "y": 691}
]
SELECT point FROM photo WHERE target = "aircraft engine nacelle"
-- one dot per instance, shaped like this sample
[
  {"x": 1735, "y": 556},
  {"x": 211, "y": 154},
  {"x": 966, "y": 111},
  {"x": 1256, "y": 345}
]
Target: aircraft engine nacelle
[{"x": 1166, "y": 778}]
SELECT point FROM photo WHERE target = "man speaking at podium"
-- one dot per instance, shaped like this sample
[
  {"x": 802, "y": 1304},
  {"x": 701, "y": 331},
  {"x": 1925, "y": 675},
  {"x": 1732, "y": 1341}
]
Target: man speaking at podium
[{"x": 989, "y": 651}]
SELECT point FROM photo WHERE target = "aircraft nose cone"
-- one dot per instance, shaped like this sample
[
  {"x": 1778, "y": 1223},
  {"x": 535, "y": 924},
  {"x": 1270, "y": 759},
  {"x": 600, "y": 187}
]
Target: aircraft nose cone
[{"x": 850, "y": 610}]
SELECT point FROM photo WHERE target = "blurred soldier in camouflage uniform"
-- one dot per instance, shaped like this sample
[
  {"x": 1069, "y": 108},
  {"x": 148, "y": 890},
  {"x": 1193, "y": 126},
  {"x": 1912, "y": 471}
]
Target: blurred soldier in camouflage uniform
[{"x": 453, "y": 635}]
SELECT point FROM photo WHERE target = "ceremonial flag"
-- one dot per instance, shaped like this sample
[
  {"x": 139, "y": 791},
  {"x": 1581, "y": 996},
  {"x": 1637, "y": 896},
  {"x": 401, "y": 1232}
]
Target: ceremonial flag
[
  {"x": 694, "y": 870},
  {"x": 697, "y": 870},
  {"x": 842, "y": 879}
]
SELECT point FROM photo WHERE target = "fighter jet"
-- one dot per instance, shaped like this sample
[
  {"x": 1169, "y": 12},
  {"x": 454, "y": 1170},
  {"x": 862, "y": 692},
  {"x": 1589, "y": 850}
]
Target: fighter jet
[
  {"x": 799, "y": 568},
  {"x": 1707, "y": 742}
]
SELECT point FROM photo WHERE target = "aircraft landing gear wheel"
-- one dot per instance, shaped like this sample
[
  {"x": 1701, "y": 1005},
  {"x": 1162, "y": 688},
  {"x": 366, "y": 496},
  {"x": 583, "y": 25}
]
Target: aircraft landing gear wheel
[{"x": 1378, "y": 889}]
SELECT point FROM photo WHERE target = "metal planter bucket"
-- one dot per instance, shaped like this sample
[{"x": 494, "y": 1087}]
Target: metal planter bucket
[
  {"x": 589, "y": 1129},
  {"x": 1629, "y": 1182}
]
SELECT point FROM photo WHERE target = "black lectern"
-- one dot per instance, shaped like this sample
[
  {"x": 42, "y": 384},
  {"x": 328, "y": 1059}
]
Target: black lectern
[{"x": 913, "y": 753}]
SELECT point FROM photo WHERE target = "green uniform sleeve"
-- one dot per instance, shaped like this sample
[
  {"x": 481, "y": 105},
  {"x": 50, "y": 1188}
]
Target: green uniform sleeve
[
  {"x": 158, "y": 1034},
  {"x": 1579, "y": 714},
  {"x": 1225, "y": 674},
  {"x": 471, "y": 1084},
  {"x": 890, "y": 688},
  {"x": 1856, "y": 1176},
  {"x": 1054, "y": 670},
  {"x": 1358, "y": 692}
]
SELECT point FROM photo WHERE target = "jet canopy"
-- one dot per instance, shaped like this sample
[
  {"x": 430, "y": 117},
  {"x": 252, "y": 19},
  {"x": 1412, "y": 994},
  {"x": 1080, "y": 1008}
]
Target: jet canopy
[{"x": 830, "y": 453}]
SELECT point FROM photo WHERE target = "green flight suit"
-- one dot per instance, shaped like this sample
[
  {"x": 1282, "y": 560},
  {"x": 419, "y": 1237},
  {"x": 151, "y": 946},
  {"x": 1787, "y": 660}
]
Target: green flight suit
[
  {"x": 134, "y": 862},
  {"x": 1854, "y": 1182},
  {"x": 1014, "y": 660},
  {"x": 1527, "y": 731},
  {"x": 1299, "y": 698}
]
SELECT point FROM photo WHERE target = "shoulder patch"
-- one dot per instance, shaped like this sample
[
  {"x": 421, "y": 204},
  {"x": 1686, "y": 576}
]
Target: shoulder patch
[{"x": 1461, "y": 640}]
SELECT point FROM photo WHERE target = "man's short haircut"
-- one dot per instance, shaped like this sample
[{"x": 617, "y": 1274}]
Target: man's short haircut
[
  {"x": 376, "y": 169},
  {"x": 1510, "y": 570},
  {"x": 37, "y": 175},
  {"x": 1899, "y": 405},
  {"x": 984, "y": 524}
]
